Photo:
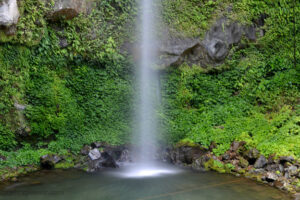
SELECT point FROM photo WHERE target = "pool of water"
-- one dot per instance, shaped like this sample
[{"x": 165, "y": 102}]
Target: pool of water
[{"x": 115, "y": 185}]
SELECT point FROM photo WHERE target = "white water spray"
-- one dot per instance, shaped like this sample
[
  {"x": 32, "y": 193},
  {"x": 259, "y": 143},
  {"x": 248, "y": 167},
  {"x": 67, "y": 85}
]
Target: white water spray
[
  {"x": 146, "y": 125},
  {"x": 146, "y": 120}
]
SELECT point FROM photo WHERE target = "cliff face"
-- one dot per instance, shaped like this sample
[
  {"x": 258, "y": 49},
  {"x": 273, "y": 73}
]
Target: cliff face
[{"x": 227, "y": 73}]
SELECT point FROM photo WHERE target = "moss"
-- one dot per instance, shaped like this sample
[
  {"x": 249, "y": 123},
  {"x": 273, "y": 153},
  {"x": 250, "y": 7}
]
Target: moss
[
  {"x": 64, "y": 165},
  {"x": 187, "y": 142},
  {"x": 257, "y": 177},
  {"x": 242, "y": 171},
  {"x": 243, "y": 162},
  {"x": 229, "y": 167},
  {"x": 215, "y": 165},
  {"x": 4, "y": 37},
  {"x": 12, "y": 173}
]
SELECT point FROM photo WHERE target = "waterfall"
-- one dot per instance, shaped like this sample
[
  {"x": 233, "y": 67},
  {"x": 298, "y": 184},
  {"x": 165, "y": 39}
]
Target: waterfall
[
  {"x": 146, "y": 120},
  {"x": 147, "y": 96}
]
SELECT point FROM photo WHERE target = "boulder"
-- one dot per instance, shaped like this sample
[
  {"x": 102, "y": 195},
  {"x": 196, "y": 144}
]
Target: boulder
[
  {"x": 94, "y": 154},
  {"x": 285, "y": 159},
  {"x": 9, "y": 13},
  {"x": 67, "y": 9},
  {"x": 173, "y": 49},
  {"x": 85, "y": 150},
  {"x": 198, "y": 164},
  {"x": 275, "y": 167},
  {"x": 186, "y": 154},
  {"x": 220, "y": 37},
  {"x": 237, "y": 145},
  {"x": 108, "y": 161},
  {"x": 105, "y": 161},
  {"x": 176, "y": 49},
  {"x": 251, "y": 155},
  {"x": 226, "y": 156},
  {"x": 260, "y": 162},
  {"x": 271, "y": 159},
  {"x": 293, "y": 170},
  {"x": 48, "y": 161},
  {"x": 125, "y": 156},
  {"x": 243, "y": 162},
  {"x": 164, "y": 155},
  {"x": 270, "y": 177},
  {"x": 97, "y": 145},
  {"x": 278, "y": 184},
  {"x": 116, "y": 152}
]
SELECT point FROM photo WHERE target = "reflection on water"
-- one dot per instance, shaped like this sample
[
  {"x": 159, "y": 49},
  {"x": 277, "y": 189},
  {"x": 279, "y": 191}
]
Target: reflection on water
[
  {"x": 109, "y": 185},
  {"x": 146, "y": 171}
]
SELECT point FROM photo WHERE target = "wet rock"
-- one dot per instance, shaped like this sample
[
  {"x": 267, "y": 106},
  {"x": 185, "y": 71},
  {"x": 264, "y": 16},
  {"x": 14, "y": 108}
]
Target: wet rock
[
  {"x": 285, "y": 159},
  {"x": 108, "y": 161},
  {"x": 270, "y": 177},
  {"x": 9, "y": 13},
  {"x": 251, "y": 155},
  {"x": 275, "y": 167},
  {"x": 287, "y": 174},
  {"x": 97, "y": 145},
  {"x": 226, "y": 156},
  {"x": 173, "y": 49},
  {"x": 94, "y": 154},
  {"x": 297, "y": 196},
  {"x": 281, "y": 169},
  {"x": 250, "y": 32},
  {"x": 199, "y": 163},
  {"x": 271, "y": 159},
  {"x": 67, "y": 9},
  {"x": 222, "y": 35},
  {"x": 287, "y": 164},
  {"x": 219, "y": 38},
  {"x": 109, "y": 157},
  {"x": 243, "y": 162},
  {"x": 164, "y": 154},
  {"x": 260, "y": 162},
  {"x": 259, "y": 22},
  {"x": 125, "y": 156},
  {"x": 237, "y": 145},
  {"x": 11, "y": 30},
  {"x": 85, "y": 150},
  {"x": 293, "y": 170},
  {"x": 48, "y": 161},
  {"x": 14, "y": 179},
  {"x": 186, "y": 154},
  {"x": 116, "y": 152},
  {"x": 105, "y": 161},
  {"x": 278, "y": 184},
  {"x": 233, "y": 155}
]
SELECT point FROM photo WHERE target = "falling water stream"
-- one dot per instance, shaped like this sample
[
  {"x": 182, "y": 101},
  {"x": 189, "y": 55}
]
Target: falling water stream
[{"x": 146, "y": 129}]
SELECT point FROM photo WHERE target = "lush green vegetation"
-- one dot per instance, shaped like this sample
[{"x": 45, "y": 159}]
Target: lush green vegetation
[
  {"x": 74, "y": 95},
  {"x": 82, "y": 92},
  {"x": 254, "y": 96}
]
